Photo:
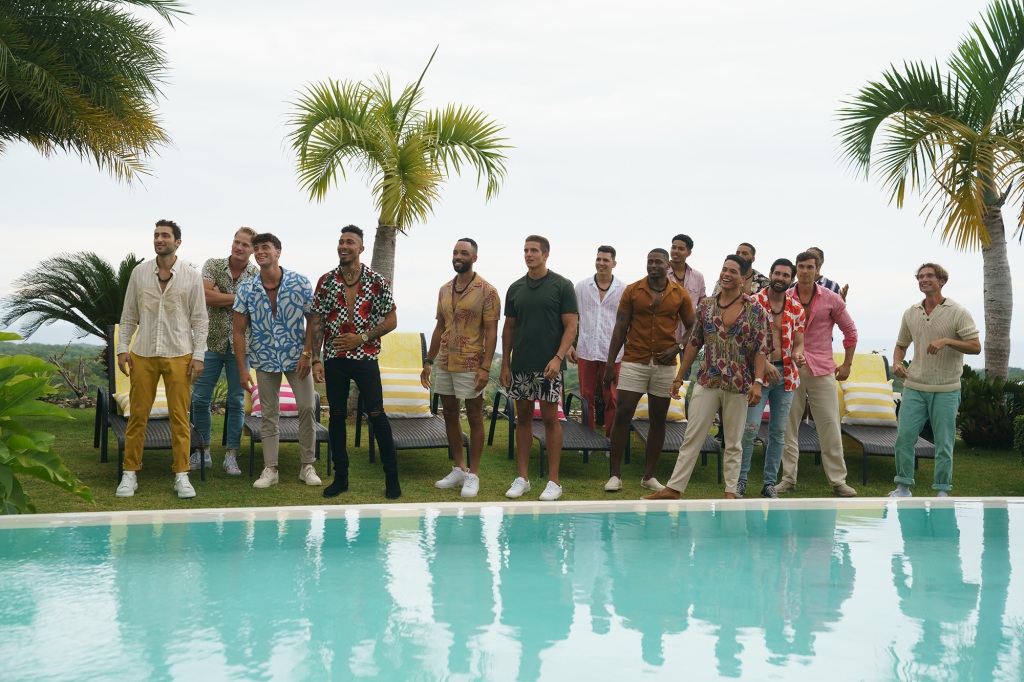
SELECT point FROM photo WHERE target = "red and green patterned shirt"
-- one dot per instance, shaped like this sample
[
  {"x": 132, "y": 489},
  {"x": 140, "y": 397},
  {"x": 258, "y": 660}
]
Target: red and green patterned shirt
[
  {"x": 729, "y": 353},
  {"x": 373, "y": 302},
  {"x": 793, "y": 322}
]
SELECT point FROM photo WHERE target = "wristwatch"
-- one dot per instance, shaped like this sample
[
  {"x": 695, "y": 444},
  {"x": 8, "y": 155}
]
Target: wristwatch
[
  {"x": 307, "y": 354},
  {"x": 365, "y": 338},
  {"x": 761, "y": 381}
]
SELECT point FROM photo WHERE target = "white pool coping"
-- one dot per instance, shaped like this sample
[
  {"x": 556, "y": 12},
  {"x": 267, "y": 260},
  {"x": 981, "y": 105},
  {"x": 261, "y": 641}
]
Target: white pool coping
[{"x": 421, "y": 509}]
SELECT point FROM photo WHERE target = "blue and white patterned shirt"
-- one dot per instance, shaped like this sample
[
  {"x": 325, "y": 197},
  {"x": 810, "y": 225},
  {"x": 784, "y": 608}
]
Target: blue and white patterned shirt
[{"x": 277, "y": 342}]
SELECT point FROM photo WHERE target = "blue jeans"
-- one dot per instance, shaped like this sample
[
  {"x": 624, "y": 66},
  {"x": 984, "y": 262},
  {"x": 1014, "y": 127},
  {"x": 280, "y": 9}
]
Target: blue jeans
[
  {"x": 202, "y": 396},
  {"x": 780, "y": 399}
]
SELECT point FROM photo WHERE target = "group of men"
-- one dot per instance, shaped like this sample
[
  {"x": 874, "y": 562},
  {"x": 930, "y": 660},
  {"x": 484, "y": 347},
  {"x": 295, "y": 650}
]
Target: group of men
[
  {"x": 189, "y": 327},
  {"x": 765, "y": 341}
]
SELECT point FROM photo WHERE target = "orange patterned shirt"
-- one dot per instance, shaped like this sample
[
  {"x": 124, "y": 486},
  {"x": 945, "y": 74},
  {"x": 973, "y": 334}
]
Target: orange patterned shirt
[{"x": 464, "y": 316}]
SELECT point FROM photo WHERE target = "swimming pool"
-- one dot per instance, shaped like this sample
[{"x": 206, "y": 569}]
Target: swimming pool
[{"x": 816, "y": 590}]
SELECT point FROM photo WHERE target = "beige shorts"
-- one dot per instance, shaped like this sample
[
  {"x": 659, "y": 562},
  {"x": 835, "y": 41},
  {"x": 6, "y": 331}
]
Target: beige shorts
[
  {"x": 459, "y": 384},
  {"x": 655, "y": 380}
]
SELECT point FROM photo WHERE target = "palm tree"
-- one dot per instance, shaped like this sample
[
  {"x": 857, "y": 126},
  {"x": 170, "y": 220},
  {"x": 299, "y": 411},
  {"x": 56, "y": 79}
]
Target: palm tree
[
  {"x": 404, "y": 152},
  {"x": 956, "y": 136},
  {"x": 81, "y": 76},
  {"x": 81, "y": 289}
]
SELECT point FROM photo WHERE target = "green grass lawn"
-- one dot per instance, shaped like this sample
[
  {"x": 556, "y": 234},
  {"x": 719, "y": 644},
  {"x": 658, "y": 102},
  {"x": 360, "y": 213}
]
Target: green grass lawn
[{"x": 976, "y": 473}]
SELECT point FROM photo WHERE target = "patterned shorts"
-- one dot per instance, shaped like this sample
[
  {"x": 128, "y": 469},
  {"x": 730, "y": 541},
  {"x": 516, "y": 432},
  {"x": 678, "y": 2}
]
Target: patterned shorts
[{"x": 533, "y": 386}]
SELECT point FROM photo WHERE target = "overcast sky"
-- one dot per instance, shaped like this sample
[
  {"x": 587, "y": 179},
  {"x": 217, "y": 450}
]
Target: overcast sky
[{"x": 630, "y": 123}]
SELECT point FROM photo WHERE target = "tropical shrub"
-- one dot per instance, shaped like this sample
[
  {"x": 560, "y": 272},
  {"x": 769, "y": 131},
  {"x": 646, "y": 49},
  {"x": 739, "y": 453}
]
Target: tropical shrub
[
  {"x": 24, "y": 452},
  {"x": 988, "y": 407},
  {"x": 1018, "y": 436}
]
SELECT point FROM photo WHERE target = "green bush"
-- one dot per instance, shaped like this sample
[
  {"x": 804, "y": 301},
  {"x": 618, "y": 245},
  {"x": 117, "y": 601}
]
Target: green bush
[
  {"x": 23, "y": 452},
  {"x": 988, "y": 408},
  {"x": 1018, "y": 436}
]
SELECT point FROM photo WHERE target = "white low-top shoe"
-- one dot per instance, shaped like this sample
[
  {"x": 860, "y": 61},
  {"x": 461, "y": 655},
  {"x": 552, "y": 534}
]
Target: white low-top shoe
[
  {"x": 613, "y": 485},
  {"x": 452, "y": 480},
  {"x": 268, "y": 477},
  {"x": 307, "y": 474},
  {"x": 552, "y": 491},
  {"x": 183, "y": 486},
  {"x": 470, "y": 485},
  {"x": 518, "y": 487},
  {"x": 128, "y": 485},
  {"x": 651, "y": 484}
]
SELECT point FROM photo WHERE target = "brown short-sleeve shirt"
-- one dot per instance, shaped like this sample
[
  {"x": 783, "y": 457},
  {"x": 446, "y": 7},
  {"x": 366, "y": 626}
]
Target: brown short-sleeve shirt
[{"x": 652, "y": 330}]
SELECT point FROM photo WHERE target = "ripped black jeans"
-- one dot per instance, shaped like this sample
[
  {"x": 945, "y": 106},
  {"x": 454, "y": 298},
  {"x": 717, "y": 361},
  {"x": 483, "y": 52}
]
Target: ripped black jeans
[{"x": 366, "y": 373}]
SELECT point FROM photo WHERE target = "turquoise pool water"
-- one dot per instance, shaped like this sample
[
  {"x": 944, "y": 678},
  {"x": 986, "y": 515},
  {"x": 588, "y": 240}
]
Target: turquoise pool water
[{"x": 865, "y": 591}]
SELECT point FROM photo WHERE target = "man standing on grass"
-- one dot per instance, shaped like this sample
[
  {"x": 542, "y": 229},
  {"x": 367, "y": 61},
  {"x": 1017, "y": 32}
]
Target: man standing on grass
[
  {"x": 824, "y": 311},
  {"x": 646, "y": 321},
  {"x": 734, "y": 332},
  {"x": 942, "y": 331},
  {"x": 540, "y": 326},
  {"x": 598, "y": 299},
  {"x": 354, "y": 308},
  {"x": 681, "y": 272},
  {"x": 461, "y": 349},
  {"x": 781, "y": 373},
  {"x": 221, "y": 279},
  {"x": 165, "y": 310},
  {"x": 275, "y": 306}
]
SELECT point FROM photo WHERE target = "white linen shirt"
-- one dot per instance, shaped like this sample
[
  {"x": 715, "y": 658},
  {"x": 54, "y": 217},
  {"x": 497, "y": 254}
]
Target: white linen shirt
[
  {"x": 168, "y": 323},
  {"x": 597, "y": 318}
]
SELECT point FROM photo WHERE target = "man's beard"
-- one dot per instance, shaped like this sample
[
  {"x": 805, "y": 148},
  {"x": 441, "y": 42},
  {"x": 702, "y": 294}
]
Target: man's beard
[{"x": 461, "y": 267}]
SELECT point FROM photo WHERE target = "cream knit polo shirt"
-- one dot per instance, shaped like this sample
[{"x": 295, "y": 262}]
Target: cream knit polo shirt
[{"x": 940, "y": 372}]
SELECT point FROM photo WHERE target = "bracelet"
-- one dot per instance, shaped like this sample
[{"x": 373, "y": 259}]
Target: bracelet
[
  {"x": 316, "y": 361},
  {"x": 560, "y": 357},
  {"x": 428, "y": 361},
  {"x": 486, "y": 369}
]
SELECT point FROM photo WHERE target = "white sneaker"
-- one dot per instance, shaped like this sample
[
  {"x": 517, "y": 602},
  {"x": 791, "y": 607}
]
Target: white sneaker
[
  {"x": 470, "y": 485},
  {"x": 182, "y": 486},
  {"x": 231, "y": 463},
  {"x": 452, "y": 480},
  {"x": 552, "y": 491},
  {"x": 268, "y": 477},
  {"x": 128, "y": 485},
  {"x": 307, "y": 474},
  {"x": 518, "y": 487},
  {"x": 651, "y": 484},
  {"x": 613, "y": 485},
  {"x": 193, "y": 459},
  {"x": 901, "y": 491}
]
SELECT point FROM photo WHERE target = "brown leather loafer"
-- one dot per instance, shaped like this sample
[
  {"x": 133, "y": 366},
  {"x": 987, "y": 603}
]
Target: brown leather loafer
[{"x": 663, "y": 494}]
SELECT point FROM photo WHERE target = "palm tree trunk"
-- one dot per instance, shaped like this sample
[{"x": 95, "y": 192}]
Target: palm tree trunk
[
  {"x": 384, "y": 243},
  {"x": 998, "y": 296}
]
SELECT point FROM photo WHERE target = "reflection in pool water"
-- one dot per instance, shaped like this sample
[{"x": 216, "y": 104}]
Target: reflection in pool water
[{"x": 762, "y": 591}]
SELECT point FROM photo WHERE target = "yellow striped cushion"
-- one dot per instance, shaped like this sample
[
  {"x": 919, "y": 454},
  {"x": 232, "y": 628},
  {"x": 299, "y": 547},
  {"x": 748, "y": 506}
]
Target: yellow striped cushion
[
  {"x": 159, "y": 410},
  {"x": 868, "y": 404},
  {"x": 404, "y": 395},
  {"x": 676, "y": 408}
]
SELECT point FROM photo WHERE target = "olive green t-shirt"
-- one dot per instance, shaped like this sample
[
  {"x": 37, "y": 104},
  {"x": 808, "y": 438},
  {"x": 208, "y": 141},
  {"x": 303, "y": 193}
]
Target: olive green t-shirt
[{"x": 538, "y": 306}]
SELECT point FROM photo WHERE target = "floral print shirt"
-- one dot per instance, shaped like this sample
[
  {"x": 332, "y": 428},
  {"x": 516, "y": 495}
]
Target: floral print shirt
[
  {"x": 729, "y": 354},
  {"x": 218, "y": 271},
  {"x": 464, "y": 317},
  {"x": 793, "y": 322},
  {"x": 374, "y": 301},
  {"x": 276, "y": 341}
]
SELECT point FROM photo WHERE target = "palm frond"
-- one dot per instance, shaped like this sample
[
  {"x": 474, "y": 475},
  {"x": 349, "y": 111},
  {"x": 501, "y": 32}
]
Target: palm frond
[
  {"x": 409, "y": 182},
  {"x": 79, "y": 288},
  {"x": 988, "y": 57},
  {"x": 466, "y": 135}
]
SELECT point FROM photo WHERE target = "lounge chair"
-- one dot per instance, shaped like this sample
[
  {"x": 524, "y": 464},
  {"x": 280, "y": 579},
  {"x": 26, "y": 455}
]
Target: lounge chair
[
  {"x": 414, "y": 419},
  {"x": 675, "y": 433},
  {"x": 872, "y": 425},
  {"x": 109, "y": 415},
  {"x": 575, "y": 436}
]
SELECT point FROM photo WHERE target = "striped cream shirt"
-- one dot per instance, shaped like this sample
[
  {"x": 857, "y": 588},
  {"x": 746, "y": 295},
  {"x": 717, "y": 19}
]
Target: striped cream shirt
[{"x": 168, "y": 323}]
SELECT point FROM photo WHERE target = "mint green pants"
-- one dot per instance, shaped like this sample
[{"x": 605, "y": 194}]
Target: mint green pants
[{"x": 916, "y": 408}]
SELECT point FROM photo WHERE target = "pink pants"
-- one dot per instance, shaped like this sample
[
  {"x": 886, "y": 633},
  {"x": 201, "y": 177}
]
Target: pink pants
[{"x": 591, "y": 376}]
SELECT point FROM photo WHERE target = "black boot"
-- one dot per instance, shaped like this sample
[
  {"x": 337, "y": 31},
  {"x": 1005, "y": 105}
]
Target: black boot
[
  {"x": 339, "y": 485},
  {"x": 392, "y": 488}
]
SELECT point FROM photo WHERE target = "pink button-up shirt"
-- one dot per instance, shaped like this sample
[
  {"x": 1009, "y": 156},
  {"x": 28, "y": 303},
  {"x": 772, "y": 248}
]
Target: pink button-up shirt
[{"x": 826, "y": 311}]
